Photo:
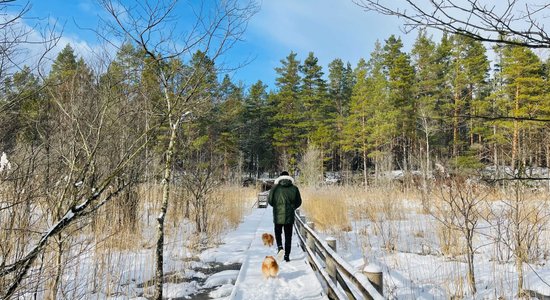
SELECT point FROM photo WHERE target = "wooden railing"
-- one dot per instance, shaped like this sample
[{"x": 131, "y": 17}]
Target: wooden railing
[{"x": 340, "y": 278}]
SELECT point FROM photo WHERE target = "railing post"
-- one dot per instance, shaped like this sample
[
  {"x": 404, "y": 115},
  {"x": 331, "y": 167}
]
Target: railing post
[
  {"x": 375, "y": 276},
  {"x": 329, "y": 260},
  {"x": 310, "y": 240},
  {"x": 302, "y": 229},
  {"x": 331, "y": 242}
]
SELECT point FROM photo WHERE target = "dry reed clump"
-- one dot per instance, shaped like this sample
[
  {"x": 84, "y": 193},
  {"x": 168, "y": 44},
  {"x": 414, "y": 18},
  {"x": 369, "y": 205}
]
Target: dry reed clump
[
  {"x": 112, "y": 231},
  {"x": 450, "y": 243},
  {"x": 232, "y": 203},
  {"x": 119, "y": 225},
  {"x": 379, "y": 204},
  {"x": 327, "y": 208}
]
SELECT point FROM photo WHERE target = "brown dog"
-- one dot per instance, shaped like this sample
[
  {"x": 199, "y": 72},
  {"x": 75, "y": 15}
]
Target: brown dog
[
  {"x": 270, "y": 268},
  {"x": 267, "y": 239}
]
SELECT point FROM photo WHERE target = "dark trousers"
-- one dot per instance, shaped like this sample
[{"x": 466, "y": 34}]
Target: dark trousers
[{"x": 288, "y": 236}]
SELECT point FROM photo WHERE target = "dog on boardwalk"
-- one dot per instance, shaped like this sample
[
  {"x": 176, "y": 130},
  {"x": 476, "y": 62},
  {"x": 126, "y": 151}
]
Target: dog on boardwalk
[
  {"x": 267, "y": 239},
  {"x": 270, "y": 268}
]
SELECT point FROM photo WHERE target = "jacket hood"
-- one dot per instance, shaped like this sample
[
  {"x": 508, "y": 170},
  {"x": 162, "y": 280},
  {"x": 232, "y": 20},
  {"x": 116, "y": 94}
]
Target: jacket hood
[{"x": 284, "y": 180}]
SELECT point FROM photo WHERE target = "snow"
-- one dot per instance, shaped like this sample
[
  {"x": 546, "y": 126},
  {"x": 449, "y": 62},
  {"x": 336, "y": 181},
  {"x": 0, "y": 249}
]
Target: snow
[
  {"x": 4, "y": 162},
  {"x": 296, "y": 279},
  {"x": 221, "y": 278},
  {"x": 414, "y": 270},
  {"x": 539, "y": 281},
  {"x": 372, "y": 268},
  {"x": 179, "y": 290},
  {"x": 222, "y": 292}
]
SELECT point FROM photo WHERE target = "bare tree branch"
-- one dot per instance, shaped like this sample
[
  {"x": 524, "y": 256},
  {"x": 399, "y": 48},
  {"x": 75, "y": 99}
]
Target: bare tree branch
[{"x": 519, "y": 23}]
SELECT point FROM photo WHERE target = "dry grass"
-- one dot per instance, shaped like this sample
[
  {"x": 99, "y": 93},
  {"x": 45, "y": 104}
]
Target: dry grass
[
  {"x": 228, "y": 206},
  {"x": 233, "y": 202},
  {"x": 377, "y": 204},
  {"x": 327, "y": 208}
]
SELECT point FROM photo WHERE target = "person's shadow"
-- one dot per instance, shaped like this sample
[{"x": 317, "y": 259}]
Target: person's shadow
[{"x": 293, "y": 275}]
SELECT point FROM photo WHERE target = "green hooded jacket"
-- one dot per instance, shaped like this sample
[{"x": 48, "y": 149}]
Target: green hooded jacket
[{"x": 284, "y": 196}]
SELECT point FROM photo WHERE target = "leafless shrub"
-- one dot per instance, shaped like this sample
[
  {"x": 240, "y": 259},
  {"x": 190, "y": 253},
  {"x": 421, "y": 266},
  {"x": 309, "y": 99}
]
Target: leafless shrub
[
  {"x": 519, "y": 223},
  {"x": 459, "y": 212}
]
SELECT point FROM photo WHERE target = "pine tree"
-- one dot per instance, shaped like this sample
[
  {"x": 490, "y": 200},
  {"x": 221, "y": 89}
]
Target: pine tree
[
  {"x": 400, "y": 75},
  {"x": 288, "y": 112},
  {"x": 384, "y": 123},
  {"x": 22, "y": 120},
  {"x": 227, "y": 116},
  {"x": 341, "y": 82},
  {"x": 356, "y": 131},
  {"x": 425, "y": 58},
  {"x": 466, "y": 76},
  {"x": 313, "y": 94},
  {"x": 522, "y": 72},
  {"x": 256, "y": 140}
]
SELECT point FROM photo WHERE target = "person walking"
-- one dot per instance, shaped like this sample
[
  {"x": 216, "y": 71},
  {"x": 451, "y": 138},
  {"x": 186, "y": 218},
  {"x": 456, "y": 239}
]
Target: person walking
[{"x": 285, "y": 198}]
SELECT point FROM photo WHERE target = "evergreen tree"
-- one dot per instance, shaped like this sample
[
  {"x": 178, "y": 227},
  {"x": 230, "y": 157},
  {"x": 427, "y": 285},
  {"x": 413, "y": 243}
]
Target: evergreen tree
[
  {"x": 313, "y": 94},
  {"x": 227, "y": 117},
  {"x": 442, "y": 139},
  {"x": 356, "y": 131},
  {"x": 425, "y": 62},
  {"x": 288, "y": 112},
  {"x": 466, "y": 75},
  {"x": 400, "y": 75},
  {"x": 522, "y": 73},
  {"x": 385, "y": 117},
  {"x": 256, "y": 142},
  {"x": 22, "y": 119},
  {"x": 341, "y": 82}
]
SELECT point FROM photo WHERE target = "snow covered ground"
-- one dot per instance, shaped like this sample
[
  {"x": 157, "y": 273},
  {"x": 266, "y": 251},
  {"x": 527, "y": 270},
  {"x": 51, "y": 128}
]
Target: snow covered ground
[
  {"x": 416, "y": 269},
  {"x": 296, "y": 279},
  {"x": 243, "y": 246}
]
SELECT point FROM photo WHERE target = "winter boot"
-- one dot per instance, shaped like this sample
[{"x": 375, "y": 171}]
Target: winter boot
[{"x": 280, "y": 253}]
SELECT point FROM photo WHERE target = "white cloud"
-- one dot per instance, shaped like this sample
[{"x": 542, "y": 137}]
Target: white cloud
[
  {"x": 86, "y": 6},
  {"x": 330, "y": 28},
  {"x": 33, "y": 51}
]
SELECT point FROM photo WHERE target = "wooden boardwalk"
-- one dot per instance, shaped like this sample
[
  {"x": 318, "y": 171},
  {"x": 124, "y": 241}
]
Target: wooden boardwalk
[{"x": 296, "y": 279}]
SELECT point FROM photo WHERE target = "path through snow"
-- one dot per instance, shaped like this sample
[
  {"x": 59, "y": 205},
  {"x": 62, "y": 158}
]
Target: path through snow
[{"x": 296, "y": 279}]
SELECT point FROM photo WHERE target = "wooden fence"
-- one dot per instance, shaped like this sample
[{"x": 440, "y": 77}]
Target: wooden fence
[{"x": 343, "y": 282}]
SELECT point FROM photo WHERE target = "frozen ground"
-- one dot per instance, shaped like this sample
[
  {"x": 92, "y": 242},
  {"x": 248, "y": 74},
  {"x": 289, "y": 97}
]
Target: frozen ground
[
  {"x": 416, "y": 269},
  {"x": 295, "y": 281},
  {"x": 242, "y": 246}
]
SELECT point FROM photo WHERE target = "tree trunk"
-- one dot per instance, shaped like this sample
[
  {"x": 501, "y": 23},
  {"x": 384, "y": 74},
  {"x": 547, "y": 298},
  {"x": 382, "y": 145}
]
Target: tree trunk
[
  {"x": 519, "y": 269},
  {"x": 495, "y": 153},
  {"x": 455, "y": 124},
  {"x": 548, "y": 158},
  {"x": 159, "y": 273},
  {"x": 365, "y": 173},
  {"x": 515, "y": 135},
  {"x": 426, "y": 168},
  {"x": 54, "y": 286},
  {"x": 470, "y": 259}
]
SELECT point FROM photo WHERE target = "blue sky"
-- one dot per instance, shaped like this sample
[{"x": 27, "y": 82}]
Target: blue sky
[{"x": 330, "y": 28}]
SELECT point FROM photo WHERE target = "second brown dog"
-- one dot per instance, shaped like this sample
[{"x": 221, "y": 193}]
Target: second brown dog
[{"x": 267, "y": 239}]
